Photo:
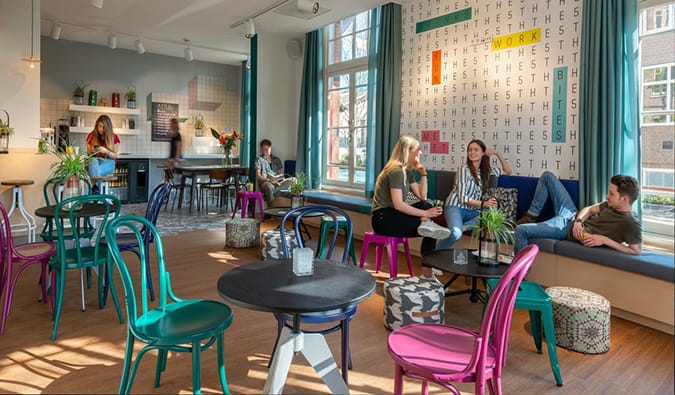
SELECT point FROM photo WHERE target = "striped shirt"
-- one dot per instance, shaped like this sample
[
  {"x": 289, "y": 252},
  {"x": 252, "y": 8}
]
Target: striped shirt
[{"x": 466, "y": 188}]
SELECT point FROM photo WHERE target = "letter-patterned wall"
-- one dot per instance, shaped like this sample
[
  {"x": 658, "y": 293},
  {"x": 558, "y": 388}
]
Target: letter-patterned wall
[{"x": 505, "y": 71}]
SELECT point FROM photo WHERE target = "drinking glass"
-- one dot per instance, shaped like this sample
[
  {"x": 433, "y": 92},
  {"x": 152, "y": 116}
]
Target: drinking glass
[{"x": 460, "y": 256}]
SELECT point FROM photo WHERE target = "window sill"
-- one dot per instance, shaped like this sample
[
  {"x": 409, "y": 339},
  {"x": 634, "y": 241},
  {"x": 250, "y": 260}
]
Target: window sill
[{"x": 658, "y": 243}]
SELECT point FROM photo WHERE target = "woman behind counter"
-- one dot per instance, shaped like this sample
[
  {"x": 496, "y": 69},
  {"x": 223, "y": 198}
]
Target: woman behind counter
[
  {"x": 102, "y": 144},
  {"x": 391, "y": 215}
]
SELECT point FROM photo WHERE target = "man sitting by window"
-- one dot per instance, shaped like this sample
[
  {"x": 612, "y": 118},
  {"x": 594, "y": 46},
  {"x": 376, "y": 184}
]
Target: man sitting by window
[
  {"x": 268, "y": 172},
  {"x": 611, "y": 223}
]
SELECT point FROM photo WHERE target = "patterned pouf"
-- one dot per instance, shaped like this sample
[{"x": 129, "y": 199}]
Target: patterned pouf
[
  {"x": 271, "y": 244},
  {"x": 413, "y": 299},
  {"x": 581, "y": 319},
  {"x": 242, "y": 233}
]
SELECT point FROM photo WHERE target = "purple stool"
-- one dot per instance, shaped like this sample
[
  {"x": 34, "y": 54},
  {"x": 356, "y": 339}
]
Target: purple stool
[
  {"x": 243, "y": 198},
  {"x": 391, "y": 242}
]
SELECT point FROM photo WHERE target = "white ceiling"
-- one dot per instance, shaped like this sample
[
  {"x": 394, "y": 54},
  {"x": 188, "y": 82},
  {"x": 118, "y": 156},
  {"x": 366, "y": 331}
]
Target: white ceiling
[{"x": 164, "y": 24}]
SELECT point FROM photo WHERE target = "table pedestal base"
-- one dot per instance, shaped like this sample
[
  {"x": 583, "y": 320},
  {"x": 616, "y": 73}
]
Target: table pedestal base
[{"x": 315, "y": 349}]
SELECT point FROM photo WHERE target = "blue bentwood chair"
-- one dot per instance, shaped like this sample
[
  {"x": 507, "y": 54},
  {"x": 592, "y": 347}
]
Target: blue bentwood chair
[
  {"x": 340, "y": 318},
  {"x": 174, "y": 324},
  {"x": 128, "y": 242}
]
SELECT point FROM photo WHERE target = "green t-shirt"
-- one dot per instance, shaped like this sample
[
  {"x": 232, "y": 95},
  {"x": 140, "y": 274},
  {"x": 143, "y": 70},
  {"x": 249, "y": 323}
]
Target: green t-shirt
[
  {"x": 619, "y": 226},
  {"x": 391, "y": 179}
]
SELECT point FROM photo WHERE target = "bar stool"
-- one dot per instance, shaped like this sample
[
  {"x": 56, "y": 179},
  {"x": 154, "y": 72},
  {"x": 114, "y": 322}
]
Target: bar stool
[
  {"x": 17, "y": 202},
  {"x": 243, "y": 200},
  {"x": 391, "y": 242},
  {"x": 326, "y": 225}
]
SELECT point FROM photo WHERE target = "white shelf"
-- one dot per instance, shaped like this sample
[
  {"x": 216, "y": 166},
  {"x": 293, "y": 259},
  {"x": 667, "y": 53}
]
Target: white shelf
[
  {"x": 133, "y": 132},
  {"x": 107, "y": 110}
]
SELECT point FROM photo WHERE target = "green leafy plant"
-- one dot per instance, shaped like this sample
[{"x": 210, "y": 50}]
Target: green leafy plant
[
  {"x": 199, "y": 122},
  {"x": 70, "y": 162},
  {"x": 131, "y": 93},
  {"x": 298, "y": 184},
  {"x": 495, "y": 226},
  {"x": 5, "y": 129},
  {"x": 79, "y": 88}
]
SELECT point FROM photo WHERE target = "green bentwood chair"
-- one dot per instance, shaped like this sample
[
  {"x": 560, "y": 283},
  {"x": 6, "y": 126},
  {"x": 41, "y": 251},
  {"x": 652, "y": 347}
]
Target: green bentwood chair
[{"x": 174, "y": 324}]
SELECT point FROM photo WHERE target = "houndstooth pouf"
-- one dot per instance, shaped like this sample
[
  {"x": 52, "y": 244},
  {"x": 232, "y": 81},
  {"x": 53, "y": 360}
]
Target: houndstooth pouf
[
  {"x": 242, "y": 233},
  {"x": 581, "y": 319},
  {"x": 413, "y": 299},
  {"x": 271, "y": 244}
]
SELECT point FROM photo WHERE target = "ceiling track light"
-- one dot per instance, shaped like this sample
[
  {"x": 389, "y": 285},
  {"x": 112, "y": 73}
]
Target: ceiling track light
[
  {"x": 56, "y": 31},
  {"x": 112, "y": 41},
  {"x": 97, "y": 3},
  {"x": 188, "y": 51},
  {"x": 307, "y": 6},
  {"x": 139, "y": 47},
  {"x": 250, "y": 28}
]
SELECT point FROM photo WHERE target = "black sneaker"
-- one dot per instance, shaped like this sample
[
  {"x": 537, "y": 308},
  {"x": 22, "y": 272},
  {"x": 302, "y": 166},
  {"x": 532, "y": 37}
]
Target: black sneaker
[{"x": 94, "y": 190}]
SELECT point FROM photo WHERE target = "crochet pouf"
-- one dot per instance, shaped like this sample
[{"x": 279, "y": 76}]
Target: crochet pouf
[
  {"x": 413, "y": 299},
  {"x": 242, "y": 233},
  {"x": 580, "y": 319},
  {"x": 271, "y": 244}
]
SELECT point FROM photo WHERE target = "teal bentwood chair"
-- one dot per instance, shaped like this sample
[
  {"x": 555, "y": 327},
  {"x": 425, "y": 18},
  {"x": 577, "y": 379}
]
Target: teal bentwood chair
[
  {"x": 174, "y": 324},
  {"x": 78, "y": 248}
]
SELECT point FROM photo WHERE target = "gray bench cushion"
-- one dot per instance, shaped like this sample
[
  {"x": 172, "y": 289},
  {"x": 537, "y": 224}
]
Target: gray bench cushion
[
  {"x": 658, "y": 265},
  {"x": 545, "y": 245}
]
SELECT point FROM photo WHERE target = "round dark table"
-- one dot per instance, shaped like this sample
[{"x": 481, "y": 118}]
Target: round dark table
[
  {"x": 88, "y": 210},
  {"x": 271, "y": 286},
  {"x": 444, "y": 260}
]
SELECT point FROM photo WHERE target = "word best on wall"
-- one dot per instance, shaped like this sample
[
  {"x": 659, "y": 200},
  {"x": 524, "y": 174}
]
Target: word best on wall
[{"x": 505, "y": 72}]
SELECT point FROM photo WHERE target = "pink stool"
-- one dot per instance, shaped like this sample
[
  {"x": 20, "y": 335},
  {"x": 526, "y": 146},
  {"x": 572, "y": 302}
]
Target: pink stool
[
  {"x": 391, "y": 242},
  {"x": 243, "y": 197}
]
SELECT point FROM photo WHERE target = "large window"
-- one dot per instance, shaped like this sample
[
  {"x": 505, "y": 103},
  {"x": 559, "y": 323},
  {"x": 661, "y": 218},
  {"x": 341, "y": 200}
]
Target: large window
[
  {"x": 347, "y": 101},
  {"x": 657, "y": 117}
]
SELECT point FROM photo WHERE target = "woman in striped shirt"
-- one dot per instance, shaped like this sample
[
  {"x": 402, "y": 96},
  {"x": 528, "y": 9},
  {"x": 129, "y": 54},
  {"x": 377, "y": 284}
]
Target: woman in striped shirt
[{"x": 464, "y": 202}]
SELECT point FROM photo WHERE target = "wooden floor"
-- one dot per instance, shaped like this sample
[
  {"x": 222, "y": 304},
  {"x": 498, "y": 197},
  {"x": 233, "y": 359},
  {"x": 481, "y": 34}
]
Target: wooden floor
[{"x": 87, "y": 356}]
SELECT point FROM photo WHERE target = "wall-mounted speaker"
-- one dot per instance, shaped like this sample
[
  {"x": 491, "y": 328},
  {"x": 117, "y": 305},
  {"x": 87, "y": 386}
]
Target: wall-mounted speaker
[{"x": 293, "y": 48}]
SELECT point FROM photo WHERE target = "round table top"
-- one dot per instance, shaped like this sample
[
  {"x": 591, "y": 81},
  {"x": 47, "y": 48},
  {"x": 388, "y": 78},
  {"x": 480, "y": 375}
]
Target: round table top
[
  {"x": 17, "y": 182},
  {"x": 89, "y": 209},
  {"x": 281, "y": 211},
  {"x": 272, "y": 286},
  {"x": 444, "y": 260}
]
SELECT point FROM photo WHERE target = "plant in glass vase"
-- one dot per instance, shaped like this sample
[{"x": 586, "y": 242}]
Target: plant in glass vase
[
  {"x": 297, "y": 189},
  {"x": 5, "y": 132},
  {"x": 492, "y": 229},
  {"x": 71, "y": 167},
  {"x": 227, "y": 140}
]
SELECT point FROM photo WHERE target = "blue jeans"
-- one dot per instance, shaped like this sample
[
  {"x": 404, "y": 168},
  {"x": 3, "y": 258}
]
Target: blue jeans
[
  {"x": 557, "y": 227},
  {"x": 99, "y": 167},
  {"x": 457, "y": 218}
]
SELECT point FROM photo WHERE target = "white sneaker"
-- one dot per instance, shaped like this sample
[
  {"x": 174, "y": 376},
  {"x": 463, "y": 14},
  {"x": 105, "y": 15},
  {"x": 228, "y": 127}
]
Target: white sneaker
[{"x": 431, "y": 229}]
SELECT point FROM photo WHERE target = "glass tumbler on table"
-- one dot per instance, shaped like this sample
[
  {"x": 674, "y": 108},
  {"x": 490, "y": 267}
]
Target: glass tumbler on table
[{"x": 460, "y": 256}]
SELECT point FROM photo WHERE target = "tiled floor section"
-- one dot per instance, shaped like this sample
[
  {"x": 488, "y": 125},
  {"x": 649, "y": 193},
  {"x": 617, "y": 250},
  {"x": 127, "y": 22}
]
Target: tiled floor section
[{"x": 180, "y": 220}]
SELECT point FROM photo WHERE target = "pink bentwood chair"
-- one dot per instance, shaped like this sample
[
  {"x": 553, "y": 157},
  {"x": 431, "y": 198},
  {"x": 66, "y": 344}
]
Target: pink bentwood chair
[
  {"x": 446, "y": 354},
  {"x": 21, "y": 256}
]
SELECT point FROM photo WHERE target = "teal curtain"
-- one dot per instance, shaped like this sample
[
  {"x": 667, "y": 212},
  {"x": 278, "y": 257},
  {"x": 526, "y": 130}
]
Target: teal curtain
[
  {"x": 251, "y": 133},
  {"x": 245, "y": 112},
  {"x": 310, "y": 124},
  {"x": 608, "y": 121},
  {"x": 384, "y": 90}
]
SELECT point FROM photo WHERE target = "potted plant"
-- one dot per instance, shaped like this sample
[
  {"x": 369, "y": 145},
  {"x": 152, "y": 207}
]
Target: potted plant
[
  {"x": 492, "y": 229},
  {"x": 78, "y": 92},
  {"x": 5, "y": 132},
  {"x": 297, "y": 189},
  {"x": 199, "y": 125},
  {"x": 131, "y": 97},
  {"x": 71, "y": 167}
]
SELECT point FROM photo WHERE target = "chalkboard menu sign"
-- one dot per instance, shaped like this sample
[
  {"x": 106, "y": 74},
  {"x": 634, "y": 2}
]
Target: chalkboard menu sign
[{"x": 161, "y": 120}]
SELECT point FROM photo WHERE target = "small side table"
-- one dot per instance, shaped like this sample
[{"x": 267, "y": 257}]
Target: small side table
[{"x": 17, "y": 202}]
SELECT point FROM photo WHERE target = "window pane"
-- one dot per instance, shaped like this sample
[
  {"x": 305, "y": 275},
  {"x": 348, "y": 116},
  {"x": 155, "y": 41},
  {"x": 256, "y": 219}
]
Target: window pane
[
  {"x": 347, "y": 26},
  {"x": 344, "y": 108},
  {"x": 336, "y": 173},
  {"x": 338, "y": 81},
  {"x": 655, "y": 74},
  {"x": 361, "y": 77},
  {"x": 361, "y": 106},
  {"x": 659, "y": 118},
  {"x": 331, "y": 52},
  {"x": 362, "y": 20},
  {"x": 361, "y": 44},
  {"x": 654, "y": 97},
  {"x": 346, "y": 50},
  {"x": 331, "y": 31},
  {"x": 360, "y": 146}
]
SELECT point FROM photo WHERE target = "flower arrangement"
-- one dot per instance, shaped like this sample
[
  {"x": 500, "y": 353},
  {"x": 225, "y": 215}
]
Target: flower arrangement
[
  {"x": 227, "y": 139},
  {"x": 71, "y": 162}
]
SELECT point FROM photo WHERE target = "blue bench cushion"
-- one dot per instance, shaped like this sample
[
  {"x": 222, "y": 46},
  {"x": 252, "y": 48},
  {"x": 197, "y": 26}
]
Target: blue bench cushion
[
  {"x": 652, "y": 264},
  {"x": 346, "y": 202}
]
